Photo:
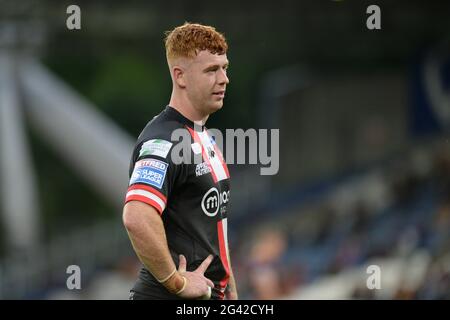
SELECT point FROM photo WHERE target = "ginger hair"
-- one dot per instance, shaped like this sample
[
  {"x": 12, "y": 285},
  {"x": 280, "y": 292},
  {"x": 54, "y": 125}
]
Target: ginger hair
[{"x": 187, "y": 40}]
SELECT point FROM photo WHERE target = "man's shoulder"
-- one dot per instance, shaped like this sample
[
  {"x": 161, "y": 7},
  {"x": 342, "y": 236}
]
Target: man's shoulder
[
  {"x": 160, "y": 127},
  {"x": 156, "y": 138}
]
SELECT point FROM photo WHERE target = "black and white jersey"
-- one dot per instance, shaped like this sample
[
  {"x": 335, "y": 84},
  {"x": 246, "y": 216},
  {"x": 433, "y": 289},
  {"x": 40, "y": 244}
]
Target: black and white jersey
[{"x": 192, "y": 199}]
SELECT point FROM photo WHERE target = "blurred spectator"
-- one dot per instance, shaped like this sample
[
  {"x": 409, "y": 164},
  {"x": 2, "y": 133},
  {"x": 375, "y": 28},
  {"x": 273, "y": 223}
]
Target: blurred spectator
[
  {"x": 352, "y": 231},
  {"x": 268, "y": 277}
]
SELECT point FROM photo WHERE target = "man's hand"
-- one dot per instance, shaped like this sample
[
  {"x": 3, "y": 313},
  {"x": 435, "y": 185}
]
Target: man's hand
[{"x": 196, "y": 286}]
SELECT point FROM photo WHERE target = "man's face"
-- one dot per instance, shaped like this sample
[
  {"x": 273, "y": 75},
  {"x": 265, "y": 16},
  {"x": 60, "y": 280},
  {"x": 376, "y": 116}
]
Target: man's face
[{"x": 206, "y": 80}]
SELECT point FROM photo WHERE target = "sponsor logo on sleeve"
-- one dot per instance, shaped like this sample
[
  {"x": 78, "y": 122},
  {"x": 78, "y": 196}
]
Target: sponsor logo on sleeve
[
  {"x": 155, "y": 147},
  {"x": 149, "y": 171}
]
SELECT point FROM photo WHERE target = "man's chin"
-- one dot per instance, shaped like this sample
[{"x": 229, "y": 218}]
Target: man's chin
[{"x": 215, "y": 107}]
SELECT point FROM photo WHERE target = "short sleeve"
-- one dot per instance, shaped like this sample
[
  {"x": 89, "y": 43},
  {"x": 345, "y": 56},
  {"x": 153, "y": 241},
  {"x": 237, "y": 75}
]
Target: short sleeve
[{"x": 152, "y": 175}]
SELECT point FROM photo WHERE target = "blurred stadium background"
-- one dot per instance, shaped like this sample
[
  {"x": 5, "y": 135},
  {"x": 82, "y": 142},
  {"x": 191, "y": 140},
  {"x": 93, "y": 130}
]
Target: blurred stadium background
[{"x": 364, "y": 119}]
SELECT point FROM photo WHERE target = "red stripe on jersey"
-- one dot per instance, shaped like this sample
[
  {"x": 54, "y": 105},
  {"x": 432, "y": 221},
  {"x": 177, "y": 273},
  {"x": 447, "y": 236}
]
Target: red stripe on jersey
[
  {"x": 205, "y": 156},
  {"x": 145, "y": 187},
  {"x": 146, "y": 200},
  {"x": 223, "y": 254}
]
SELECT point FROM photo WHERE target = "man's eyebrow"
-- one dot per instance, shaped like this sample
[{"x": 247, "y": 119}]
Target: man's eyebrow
[{"x": 216, "y": 66}]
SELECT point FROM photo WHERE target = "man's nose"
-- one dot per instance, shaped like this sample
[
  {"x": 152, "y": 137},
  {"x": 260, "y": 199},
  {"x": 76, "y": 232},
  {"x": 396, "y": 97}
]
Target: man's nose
[{"x": 223, "y": 79}]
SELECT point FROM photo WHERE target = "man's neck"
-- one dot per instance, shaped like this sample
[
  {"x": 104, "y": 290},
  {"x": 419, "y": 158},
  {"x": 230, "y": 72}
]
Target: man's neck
[{"x": 185, "y": 107}]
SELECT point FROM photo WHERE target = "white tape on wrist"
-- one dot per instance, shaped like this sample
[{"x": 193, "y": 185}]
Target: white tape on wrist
[
  {"x": 184, "y": 286},
  {"x": 168, "y": 277}
]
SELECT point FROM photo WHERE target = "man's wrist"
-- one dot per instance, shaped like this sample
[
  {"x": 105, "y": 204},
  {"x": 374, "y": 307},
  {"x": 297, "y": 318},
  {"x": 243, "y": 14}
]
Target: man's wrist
[
  {"x": 175, "y": 283},
  {"x": 183, "y": 287},
  {"x": 168, "y": 277}
]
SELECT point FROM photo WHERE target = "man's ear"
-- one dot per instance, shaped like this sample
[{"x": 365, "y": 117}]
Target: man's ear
[{"x": 179, "y": 76}]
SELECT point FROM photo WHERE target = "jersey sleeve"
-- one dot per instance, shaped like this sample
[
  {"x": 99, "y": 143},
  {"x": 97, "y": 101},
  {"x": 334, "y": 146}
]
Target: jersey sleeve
[{"x": 153, "y": 174}]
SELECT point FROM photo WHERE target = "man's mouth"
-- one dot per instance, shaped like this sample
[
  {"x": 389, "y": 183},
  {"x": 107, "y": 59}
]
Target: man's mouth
[{"x": 219, "y": 93}]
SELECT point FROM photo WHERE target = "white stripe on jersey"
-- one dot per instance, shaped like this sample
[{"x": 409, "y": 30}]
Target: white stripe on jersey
[
  {"x": 148, "y": 195},
  {"x": 216, "y": 162},
  {"x": 225, "y": 236}
]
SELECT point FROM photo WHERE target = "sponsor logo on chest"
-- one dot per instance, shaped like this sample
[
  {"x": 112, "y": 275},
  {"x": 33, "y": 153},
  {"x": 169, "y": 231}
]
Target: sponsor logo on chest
[
  {"x": 201, "y": 169},
  {"x": 213, "y": 199}
]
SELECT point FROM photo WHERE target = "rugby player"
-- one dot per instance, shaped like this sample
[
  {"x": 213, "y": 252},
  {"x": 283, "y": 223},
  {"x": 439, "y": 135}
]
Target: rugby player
[{"x": 176, "y": 214}]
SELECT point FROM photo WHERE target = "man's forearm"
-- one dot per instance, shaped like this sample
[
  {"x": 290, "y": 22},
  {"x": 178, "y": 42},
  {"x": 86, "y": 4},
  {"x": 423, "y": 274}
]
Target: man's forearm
[
  {"x": 231, "y": 288},
  {"x": 146, "y": 231}
]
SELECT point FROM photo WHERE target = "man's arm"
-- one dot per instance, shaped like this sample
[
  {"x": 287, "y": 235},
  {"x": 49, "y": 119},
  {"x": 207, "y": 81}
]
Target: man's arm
[
  {"x": 231, "y": 293},
  {"x": 146, "y": 231}
]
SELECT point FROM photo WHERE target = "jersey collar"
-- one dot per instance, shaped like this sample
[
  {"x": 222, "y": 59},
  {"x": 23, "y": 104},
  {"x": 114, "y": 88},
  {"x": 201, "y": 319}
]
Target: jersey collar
[{"x": 178, "y": 116}]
